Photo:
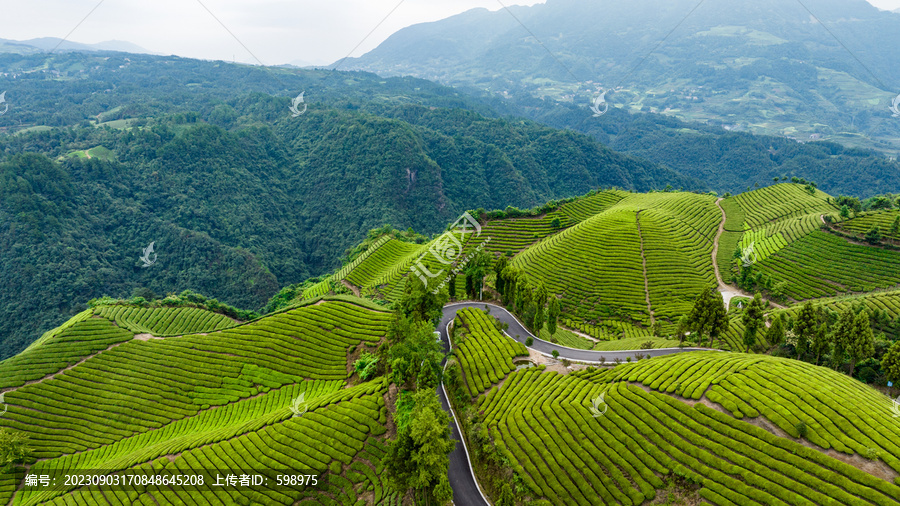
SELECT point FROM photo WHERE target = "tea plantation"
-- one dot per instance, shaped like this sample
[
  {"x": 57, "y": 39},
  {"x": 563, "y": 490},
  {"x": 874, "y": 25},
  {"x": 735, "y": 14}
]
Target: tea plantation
[
  {"x": 92, "y": 396},
  {"x": 333, "y": 383},
  {"x": 565, "y": 454}
]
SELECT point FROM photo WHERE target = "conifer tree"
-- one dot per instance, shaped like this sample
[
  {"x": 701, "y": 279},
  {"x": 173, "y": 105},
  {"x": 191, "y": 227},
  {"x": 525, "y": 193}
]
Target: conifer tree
[
  {"x": 805, "y": 329},
  {"x": 822, "y": 342},
  {"x": 753, "y": 321},
  {"x": 841, "y": 337},
  {"x": 553, "y": 315},
  {"x": 775, "y": 334},
  {"x": 708, "y": 316},
  {"x": 862, "y": 340},
  {"x": 890, "y": 363},
  {"x": 540, "y": 300},
  {"x": 499, "y": 266}
]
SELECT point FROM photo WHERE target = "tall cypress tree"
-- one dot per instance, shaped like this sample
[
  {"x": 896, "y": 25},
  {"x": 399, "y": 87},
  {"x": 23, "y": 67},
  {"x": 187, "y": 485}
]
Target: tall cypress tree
[
  {"x": 540, "y": 300},
  {"x": 841, "y": 337},
  {"x": 528, "y": 306},
  {"x": 499, "y": 266},
  {"x": 708, "y": 316},
  {"x": 753, "y": 320},
  {"x": 522, "y": 289},
  {"x": 775, "y": 334},
  {"x": 822, "y": 342},
  {"x": 862, "y": 341},
  {"x": 805, "y": 329},
  {"x": 699, "y": 318},
  {"x": 510, "y": 276},
  {"x": 552, "y": 315},
  {"x": 720, "y": 323}
]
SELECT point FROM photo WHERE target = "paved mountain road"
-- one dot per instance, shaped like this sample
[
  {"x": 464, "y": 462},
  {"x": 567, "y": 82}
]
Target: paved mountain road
[{"x": 460, "y": 474}]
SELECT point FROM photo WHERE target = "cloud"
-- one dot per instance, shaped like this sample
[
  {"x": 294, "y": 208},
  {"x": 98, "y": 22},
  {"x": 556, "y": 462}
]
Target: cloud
[{"x": 272, "y": 31}]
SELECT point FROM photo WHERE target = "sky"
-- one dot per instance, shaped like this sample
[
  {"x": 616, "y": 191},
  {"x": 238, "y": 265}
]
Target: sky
[{"x": 270, "y": 32}]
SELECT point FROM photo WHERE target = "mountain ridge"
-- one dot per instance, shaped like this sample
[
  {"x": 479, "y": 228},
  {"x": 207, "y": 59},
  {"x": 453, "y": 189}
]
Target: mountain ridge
[{"x": 762, "y": 77}]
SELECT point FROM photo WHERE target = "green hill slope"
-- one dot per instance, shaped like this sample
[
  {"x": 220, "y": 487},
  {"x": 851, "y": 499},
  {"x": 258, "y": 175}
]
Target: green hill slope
[
  {"x": 216, "y": 400},
  {"x": 648, "y": 436},
  {"x": 598, "y": 265},
  {"x": 615, "y": 258},
  {"x": 150, "y": 388}
]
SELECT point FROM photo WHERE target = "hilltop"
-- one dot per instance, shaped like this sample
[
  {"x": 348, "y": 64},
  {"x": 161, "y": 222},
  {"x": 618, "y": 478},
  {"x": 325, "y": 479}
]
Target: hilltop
[{"x": 624, "y": 264}]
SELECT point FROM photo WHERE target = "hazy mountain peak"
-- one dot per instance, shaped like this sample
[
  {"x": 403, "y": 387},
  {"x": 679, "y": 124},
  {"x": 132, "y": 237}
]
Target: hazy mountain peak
[{"x": 57, "y": 44}]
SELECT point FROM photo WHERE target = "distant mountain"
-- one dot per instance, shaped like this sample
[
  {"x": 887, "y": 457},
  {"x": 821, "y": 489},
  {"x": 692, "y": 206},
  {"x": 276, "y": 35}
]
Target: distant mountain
[
  {"x": 765, "y": 66},
  {"x": 57, "y": 44}
]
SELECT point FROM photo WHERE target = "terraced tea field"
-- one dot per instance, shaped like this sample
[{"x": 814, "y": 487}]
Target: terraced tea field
[
  {"x": 823, "y": 265},
  {"x": 608, "y": 330},
  {"x": 838, "y": 412},
  {"x": 513, "y": 235},
  {"x": 169, "y": 389},
  {"x": 786, "y": 208},
  {"x": 164, "y": 321},
  {"x": 216, "y": 401},
  {"x": 485, "y": 355},
  {"x": 337, "y": 434},
  {"x": 565, "y": 454},
  {"x": 635, "y": 343},
  {"x": 566, "y": 338},
  {"x": 380, "y": 261},
  {"x": 884, "y": 220},
  {"x": 769, "y": 219},
  {"x": 82, "y": 337},
  {"x": 598, "y": 265}
]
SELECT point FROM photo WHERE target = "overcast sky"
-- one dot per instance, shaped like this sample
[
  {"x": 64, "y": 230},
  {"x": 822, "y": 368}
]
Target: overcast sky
[{"x": 274, "y": 31}]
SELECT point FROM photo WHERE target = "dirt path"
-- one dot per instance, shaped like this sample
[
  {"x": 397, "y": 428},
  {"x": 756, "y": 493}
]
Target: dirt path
[
  {"x": 353, "y": 288},
  {"x": 637, "y": 219},
  {"x": 715, "y": 251},
  {"x": 582, "y": 334},
  {"x": 57, "y": 373},
  {"x": 728, "y": 292}
]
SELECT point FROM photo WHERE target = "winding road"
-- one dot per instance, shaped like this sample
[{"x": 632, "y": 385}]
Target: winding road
[{"x": 461, "y": 476}]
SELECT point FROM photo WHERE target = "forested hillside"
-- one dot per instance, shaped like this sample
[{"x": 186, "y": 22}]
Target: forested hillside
[{"x": 237, "y": 196}]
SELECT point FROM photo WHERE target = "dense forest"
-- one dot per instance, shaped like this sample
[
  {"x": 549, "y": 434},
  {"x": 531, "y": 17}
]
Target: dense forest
[{"x": 238, "y": 197}]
